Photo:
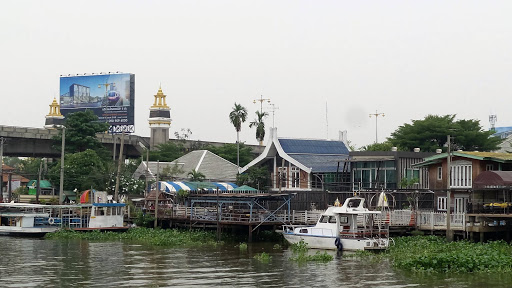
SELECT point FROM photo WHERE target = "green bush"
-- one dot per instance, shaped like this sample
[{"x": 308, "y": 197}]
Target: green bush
[
  {"x": 435, "y": 254},
  {"x": 300, "y": 253},
  {"x": 157, "y": 237},
  {"x": 263, "y": 257}
]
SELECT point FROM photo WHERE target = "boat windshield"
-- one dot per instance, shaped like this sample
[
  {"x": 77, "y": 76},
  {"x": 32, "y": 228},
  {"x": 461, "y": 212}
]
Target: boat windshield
[
  {"x": 324, "y": 219},
  {"x": 353, "y": 203}
]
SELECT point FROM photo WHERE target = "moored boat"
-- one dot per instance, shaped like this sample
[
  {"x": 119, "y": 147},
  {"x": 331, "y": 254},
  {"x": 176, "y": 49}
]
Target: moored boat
[
  {"x": 20, "y": 219},
  {"x": 37, "y": 220},
  {"x": 349, "y": 227}
]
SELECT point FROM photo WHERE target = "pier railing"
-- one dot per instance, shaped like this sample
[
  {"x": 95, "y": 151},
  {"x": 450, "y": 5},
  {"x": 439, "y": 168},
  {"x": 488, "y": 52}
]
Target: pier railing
[
  {"x": 423, "y": 220},
  {"x": 429, "y": 220}
]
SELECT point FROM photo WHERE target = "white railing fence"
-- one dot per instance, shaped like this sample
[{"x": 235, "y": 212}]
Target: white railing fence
[{"x": 437, "y": 220}]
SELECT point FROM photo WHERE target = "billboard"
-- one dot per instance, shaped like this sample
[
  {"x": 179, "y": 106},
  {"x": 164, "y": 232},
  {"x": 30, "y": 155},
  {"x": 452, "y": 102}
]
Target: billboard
[{"x": 110, "y": 96}]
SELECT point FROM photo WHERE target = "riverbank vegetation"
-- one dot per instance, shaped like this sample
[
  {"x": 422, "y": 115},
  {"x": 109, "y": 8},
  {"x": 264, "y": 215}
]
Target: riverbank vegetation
[
  {"x": 433, "y": 254},
  {"x": 301, "y": 254},
  {"x": 157, "y": 237}
]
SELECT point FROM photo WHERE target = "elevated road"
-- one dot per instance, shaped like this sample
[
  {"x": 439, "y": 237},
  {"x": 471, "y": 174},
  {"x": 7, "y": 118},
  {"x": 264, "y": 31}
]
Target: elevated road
[{"x": 38, "y": 143}]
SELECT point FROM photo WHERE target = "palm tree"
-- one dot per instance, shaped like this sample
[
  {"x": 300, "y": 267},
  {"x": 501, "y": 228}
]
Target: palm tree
[
  {"x": 238, "y": 116},
  {"x": 195, "y": 176},
  {"x": 260, "y": 125}
]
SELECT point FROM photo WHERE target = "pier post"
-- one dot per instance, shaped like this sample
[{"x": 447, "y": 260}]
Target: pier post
[
  {"x": 482, "y": 237},
  {"x": 250, "y": 234}
]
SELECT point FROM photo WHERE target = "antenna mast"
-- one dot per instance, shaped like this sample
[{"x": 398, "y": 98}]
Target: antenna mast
[{"x": 492, "y": 120}]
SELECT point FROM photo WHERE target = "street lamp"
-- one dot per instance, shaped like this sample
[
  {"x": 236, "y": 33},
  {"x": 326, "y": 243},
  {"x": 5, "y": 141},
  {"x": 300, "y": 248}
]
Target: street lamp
[
  {"x": 261, "y": 100},
  {"x": 376, "y": 117}
]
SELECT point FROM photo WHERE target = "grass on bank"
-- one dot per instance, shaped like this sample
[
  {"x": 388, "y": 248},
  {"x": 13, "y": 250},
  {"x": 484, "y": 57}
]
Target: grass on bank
[
  {"x": 157, "y": 237},
  {"x": 433, "y": 254}
]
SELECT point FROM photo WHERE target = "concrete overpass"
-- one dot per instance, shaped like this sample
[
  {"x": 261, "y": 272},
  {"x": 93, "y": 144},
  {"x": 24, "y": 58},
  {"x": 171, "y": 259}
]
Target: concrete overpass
[{"x": 37, "y": 143}]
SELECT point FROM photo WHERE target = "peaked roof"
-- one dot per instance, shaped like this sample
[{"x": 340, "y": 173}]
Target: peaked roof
[
  {"x": 310, "y": 155},
  {"x": 212, "y": 166}
]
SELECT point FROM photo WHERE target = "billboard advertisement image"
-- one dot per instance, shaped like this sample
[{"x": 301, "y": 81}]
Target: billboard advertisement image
[{"x": 109, "y": 96}]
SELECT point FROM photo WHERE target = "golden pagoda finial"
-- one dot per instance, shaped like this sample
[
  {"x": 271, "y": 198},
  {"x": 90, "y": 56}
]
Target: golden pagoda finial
[
  {"x": 160, "y": 99},
  {"x": 54, "y": 109}
]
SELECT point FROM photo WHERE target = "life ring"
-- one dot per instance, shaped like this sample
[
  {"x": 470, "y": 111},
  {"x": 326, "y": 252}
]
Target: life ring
[{"x": 51, "y": 221}]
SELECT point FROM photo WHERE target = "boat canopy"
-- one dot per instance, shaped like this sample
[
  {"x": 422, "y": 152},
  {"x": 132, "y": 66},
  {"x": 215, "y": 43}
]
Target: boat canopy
[{"x": 170, "y": 187}]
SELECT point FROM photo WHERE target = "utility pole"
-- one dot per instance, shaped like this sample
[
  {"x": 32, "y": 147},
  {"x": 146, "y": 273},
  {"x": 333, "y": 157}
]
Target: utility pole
[
  {"x": 449, "y": 232},
  {"x": 119, "y": 163},
  {"x": 38, "y": 190},
  {"x": 63, "y": 146},
  {"x": 157, "y": 192},
  {"x": 376, "y": 114},
  {"x": 2, "y": 141},
  {"x": 273, "y": 109}
]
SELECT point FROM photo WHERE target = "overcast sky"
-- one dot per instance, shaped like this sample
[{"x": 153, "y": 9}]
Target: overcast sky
[{"x": 324, "y": 64}]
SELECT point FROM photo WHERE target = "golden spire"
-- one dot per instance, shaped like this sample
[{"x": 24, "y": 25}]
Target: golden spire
[
  {"x": 160, "y": 99},
  {"x": 54, "y": 109}
]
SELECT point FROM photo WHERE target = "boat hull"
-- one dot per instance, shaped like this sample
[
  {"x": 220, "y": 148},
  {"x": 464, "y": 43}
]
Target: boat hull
[
  {"x": 327, "y": 242},
  {"x": 26, "y": 231}
]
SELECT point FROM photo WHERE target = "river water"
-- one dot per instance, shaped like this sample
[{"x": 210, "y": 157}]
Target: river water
[{"x": 80, "y": 263}]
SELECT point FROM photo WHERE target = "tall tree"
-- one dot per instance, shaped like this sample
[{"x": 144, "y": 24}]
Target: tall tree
[
  {"x": 167, "y": 152},
  {"x": 430, "y": 134},
  {"x": 229, "y": 151},
  {"x": 260, "y": 125},
  {"x": 384, "y": 146},
  {"x": 81, "y": 129},
  {"x": 238, "y": 116},
  {"x": 83, "y": 170}
]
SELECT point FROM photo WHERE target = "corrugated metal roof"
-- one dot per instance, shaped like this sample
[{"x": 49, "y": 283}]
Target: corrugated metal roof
[
  {"x": 321, "y": 163},
  {"x": 302, "y": 146}
]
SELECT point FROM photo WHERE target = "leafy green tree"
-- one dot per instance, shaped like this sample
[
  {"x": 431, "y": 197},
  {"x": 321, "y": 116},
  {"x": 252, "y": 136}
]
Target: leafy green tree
[
  {"x": 256, "y": 177},
  {"x": 238, "y": 116},
  {"x": 81, "y": 129},
  {"x": 384, "y": 146},
  {"x": 27, "y": 167},
  {"x": 167, "y": 152},
  {"x": 431, "y": 133},
  {"x": 82, "y": 170},
  {"x": 127, "y": 185},
  {"x": 260, "y": 126},
  {"x": 230, "y": 151},
  {"x": 196, "y": 176}
]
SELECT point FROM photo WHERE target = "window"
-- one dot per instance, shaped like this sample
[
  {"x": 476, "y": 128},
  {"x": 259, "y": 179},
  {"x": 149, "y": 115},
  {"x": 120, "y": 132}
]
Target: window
[
  {"x": 295, "y": 177},
  {"x": 343, "y": 220},
  {"x": 324, "y": 219},
  {"x": 332, "y": 219},
  {"x": 489, "y": 167},
  {"x": 439, "y": 173},
  {"x": 461, "y": 174},
  {"x": 282, "y": 174},
  {"x": 441, "y": 203}
]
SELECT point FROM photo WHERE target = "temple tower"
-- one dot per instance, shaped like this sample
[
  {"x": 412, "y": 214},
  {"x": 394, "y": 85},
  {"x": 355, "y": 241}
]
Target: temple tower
[
  {"x": 159, "y": 120},
  {"x": 54, "y": 118}
]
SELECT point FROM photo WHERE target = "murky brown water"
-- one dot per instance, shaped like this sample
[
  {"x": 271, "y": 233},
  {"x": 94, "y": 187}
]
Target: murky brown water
[{"x": 72, "y": 263}]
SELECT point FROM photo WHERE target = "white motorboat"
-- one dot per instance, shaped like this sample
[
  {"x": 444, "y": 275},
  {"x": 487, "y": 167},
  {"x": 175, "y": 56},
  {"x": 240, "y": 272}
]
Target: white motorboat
[{"x": 349, "y": 227}]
